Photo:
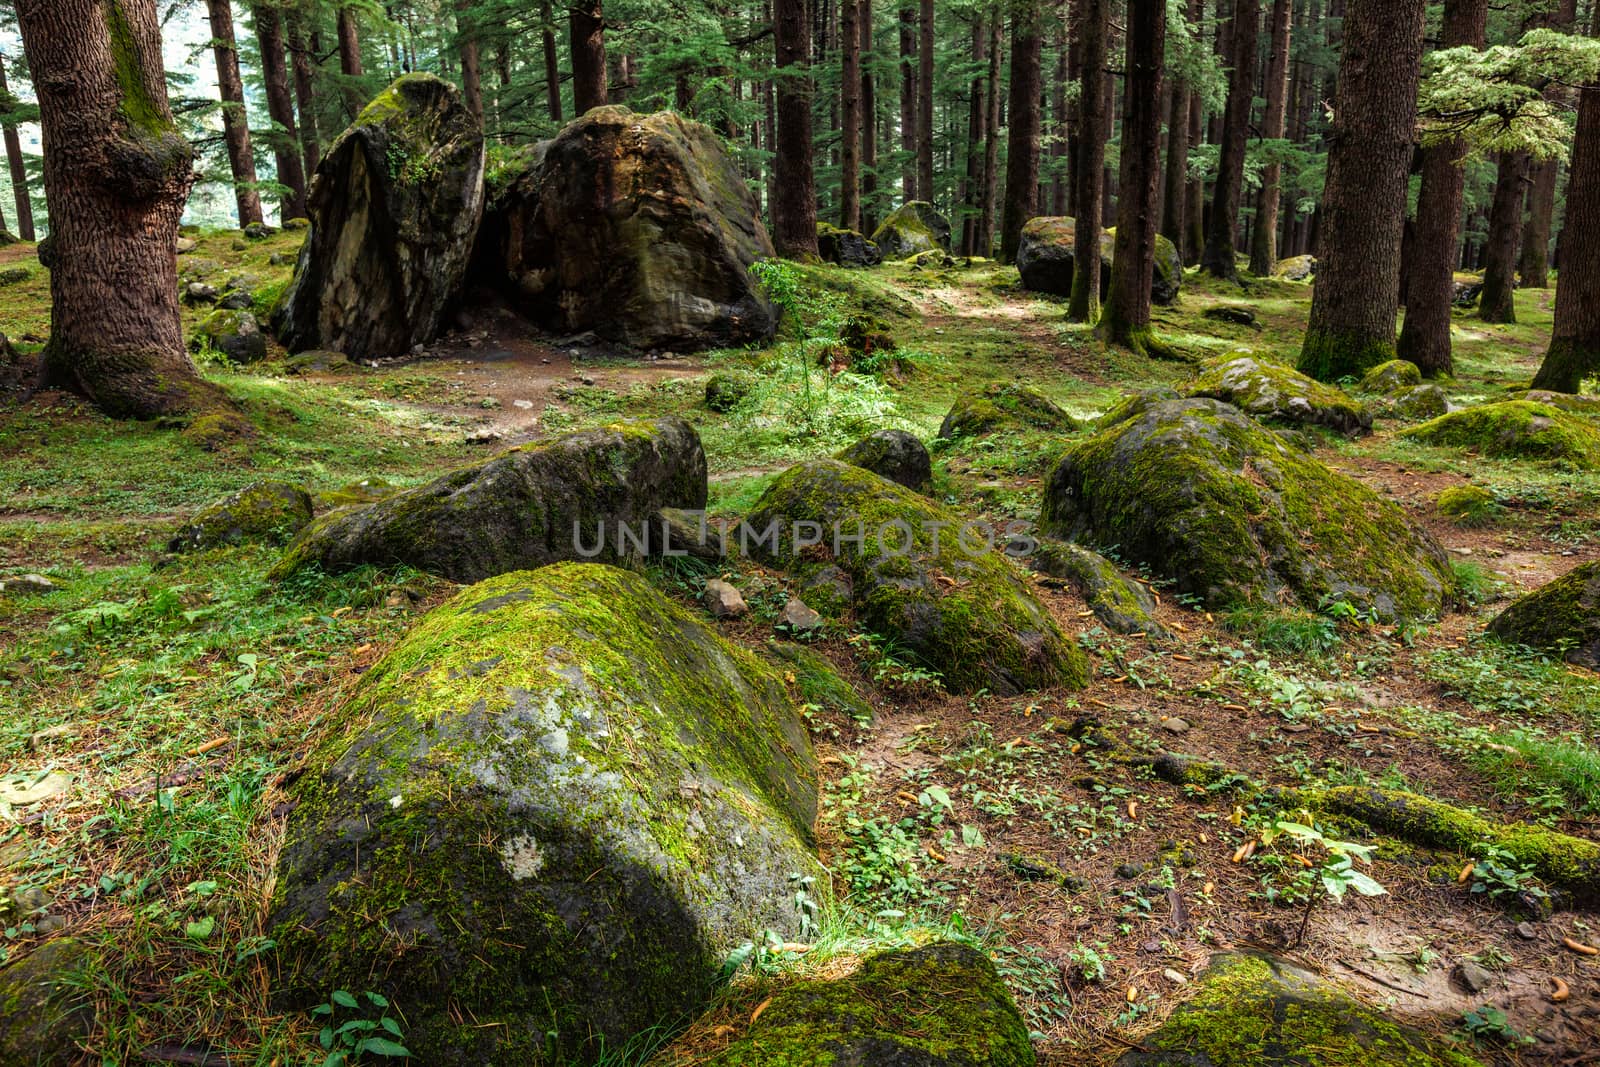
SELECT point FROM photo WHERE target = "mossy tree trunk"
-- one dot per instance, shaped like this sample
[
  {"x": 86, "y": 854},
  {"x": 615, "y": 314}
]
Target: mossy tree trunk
[
  {"x": 1086, "y": 175},
  {"x": 1264, "y": 238},
  {"x": 1362, "y": 216},
  {"x": 1505, "y": 234},
  {"x": 1127, "y": 314},
  {"x": 794, "y": 202},
  {"x": 117, "y": 174},
  {"x": 305, "y": 92},
  {"x": 19, "y": 171},
  {"x": 1218, "y": 257},
  {"x": 1435, "y": 245},
  {"x": 586, "y": 26},
  {"x": 235, "y": 122},
  {"x": 285, "y": 141},
  {"x": 850, "y": 115},
  {"x": 1022, "y": 145}
]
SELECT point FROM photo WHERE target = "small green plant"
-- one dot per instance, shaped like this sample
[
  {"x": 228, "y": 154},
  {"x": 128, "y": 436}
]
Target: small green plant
[
  {"x": 1089, "y": 961},
  {"x": 359, "y": 1035},
  {"x": 1331, "y": 876},
  {"x": 1489, "y": 1025},
  {"x": 1498, "y": 875}
]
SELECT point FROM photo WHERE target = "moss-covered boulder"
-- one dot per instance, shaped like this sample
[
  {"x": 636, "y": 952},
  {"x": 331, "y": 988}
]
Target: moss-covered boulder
[
  {"x": 912, "y": 570},
  {"x": 1121, "y": 604},
  {"x": 394, "y": 210},
  {"x": 941, "y": 1005},
  {"x": 44, "y": 1006},
  {"x": 637, "y": 227},
  {"x": 1002, "y": 405},
  {"x": 912, "y": 228},
  {"x": 1296, "y": 269},
  {"x": 232, "y": 332},
  {"x": 847, "y": 248},
  {"x": 726, "y": 390},
  {"x": 361, "y": 491},
  {"x": 585, "y": 495},
  {"x": 893, "y": 454},
  {"x": 1280, "y": 394},
  {"x": 542, "y": 821},
  {"x": 1412, "y": 403},
  {"x": 1583, "y": 405},
  {"x": 1136, "y": 404},
  {"x": 1388, "y": 377},
  {"x": 1468, "y": 505},
  {"x": 1517, "y": 429},
  {"x": 1234, "y": 514},
  {"x": 262, "y": 513},
  {"x": 1259, "y": 1011},
  {"x": 1166, "y": 283},
  {"x": 1562, "y": 616},
  {"x": 1046, "y": 255}
]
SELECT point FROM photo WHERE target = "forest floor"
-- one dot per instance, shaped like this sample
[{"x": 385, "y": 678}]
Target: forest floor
[{"x": 159, "y": 700}]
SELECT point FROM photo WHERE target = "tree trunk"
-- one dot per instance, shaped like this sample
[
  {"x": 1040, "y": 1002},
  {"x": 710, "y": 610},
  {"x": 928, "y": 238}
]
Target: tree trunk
[
  {"x": 1092, "y": 123},
  {"x": 1127, "y": 314},
  {"x": 991, "y": 140},
  {"x": 925, "y": 106},
  {"x": 794, "y": 204},
  {"x": 869, "y": 124},
  {"x": 285, "y": 141},
  {"x": 1194, "y": 208},
  {"x": 1022, "y": 145},
  {"x": 235, "y": 122},
  {"x": 117, "y": 174},
  {"x": 305, "y": 93},
  {"x": 1534, "y": 261},
  {"x": 1176, "y": 192},
  {"x": 471, "y": 61},
  {"x": 972, "y": 187},
  {"x": 908, "y": 102},
  {"x": 350, "y": 61},
  {"x": 1497, "y": 304},
  {"x": 1435, "y": 245},
  {"x": 850, "y": 115},
  {"x": 1264, "y": 241},
  {"x": 1062, "y": 120},
  {"x": 1371, "y": 141},
  {"x": 19, "y": 170},
  {"x": 586, "y": 25},
  {"x": 1218, "y": 258},
  {"x": 552, "y": 67}
]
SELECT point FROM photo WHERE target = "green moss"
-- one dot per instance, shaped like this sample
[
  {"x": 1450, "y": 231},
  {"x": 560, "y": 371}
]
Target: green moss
[
  {"x": 267, "y": 511},
  {"x": 1561, "y": 616},
  {"x": 1329, "y": 355},
  {"x": 1004, "y": 404},
  {"x": 1468, "y": 505},
  {"x": 913, "y": 228},
  {"x": 1134, "y": 405},
  {"x": 146, "y": 115},
  {"x": 1270, "y": 391},
  {"x": 814, "y": 678},
  {"x": 1517, "y": 429},
  {"x": 1390, "y": 376},
  {"x": 1121, "y": 604}
]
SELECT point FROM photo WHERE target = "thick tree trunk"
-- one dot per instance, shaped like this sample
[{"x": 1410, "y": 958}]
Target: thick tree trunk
[
  {"x": 235, "y": 122},
  {"x": 1127, "y": 313},
  {"x": 1497, "y": 304},
  {"x": 1264, "y": 240},
  {"x": 972, "y": 185},
  {"x": 305, "y": 93},
  {"x": 1218, "y": 258},
  {"x": 794, "y": 203},
  {"x": 471, "y": 60},
  {"x": 117, "y": 174},
  {"x": 285, "y": 141},
  {"x": 1435, "y": 246},
  {"x": 908, "y": 103},
  {"x": 1176, "y": 190},
  {"x": 925, "y": 105},
  {"x": 1022, "y": 144},
  {"x": 19, "y": 170},
  {"x": 586, "y": 26},
  {"x": 850, "y": 115},
  {"x": 350, "y": 61},
  {"x": 1363, "y": 208},
  {"x": 991, "y": 140},
  {"x": 869, "y": 124},
  {"x": 552, "y": 68},
  {"x": 1092, "y": 132}
]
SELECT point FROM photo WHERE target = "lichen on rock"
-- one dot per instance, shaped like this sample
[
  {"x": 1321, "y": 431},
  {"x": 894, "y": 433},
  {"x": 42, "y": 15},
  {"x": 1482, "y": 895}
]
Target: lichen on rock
[
  {"x": 1001, "y": 405},
  {"x": 911, "y": 229},
  {"x": 1561, "y": 616},
  {"x": 232, "y": 332},
  {"x": 1277, "y": 393},
  {"x": 265, "y": 512},
  {"x": 45, "y": 1010},
  {"x": 1517, "y": 429}
]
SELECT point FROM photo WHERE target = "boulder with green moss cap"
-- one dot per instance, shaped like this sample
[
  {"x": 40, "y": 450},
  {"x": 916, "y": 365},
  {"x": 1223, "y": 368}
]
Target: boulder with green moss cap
[
  {"x": 232, "y": 332},
  {"x": 1583, "y": 405},
  {"x": 1412, "y": 403},
  {"x": 725, "y": 390},
  {"x": 1003, "y": 405},
  {"x": 896, "y": 455},
  {"x": 44, "y": 1010},
  {"x": 941, "y": 1005},
  {"x": 1389, "y": 377},
  {"x": 1047, "y": 251},
  {"x": 1280, "y": 394},
  {"x": 915, "y": 572},
  {"x": 1234, "y": 514},
  {"x": 911, "y": 229},
  {"x": 591, "y": 494},
  {"x": 1123, "y": 605},
  {"x": 847, "y": 248},
  {"x": 1561, "y": 616},
  {"x": 543, "y": 820},
  {"x": 1517, "y": 429},
  {"x": 264, "y": 512},
  {"x": 1136, "y": 404},
  {"x": 1296, "y": 269},
  {"x": 394, "y": 210}
]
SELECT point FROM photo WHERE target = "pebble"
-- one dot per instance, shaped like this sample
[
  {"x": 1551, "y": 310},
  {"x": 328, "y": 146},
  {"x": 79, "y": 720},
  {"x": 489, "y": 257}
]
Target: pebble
[
  {"x": 1475, "y": 978},
  {"x": 797, "y": 618},
  {"x": 723, "y": 600},
  {"x": 1175, "y": 725},
  {"x": 1176, "y": 977},
  {"x": 1526, "y": 931}
]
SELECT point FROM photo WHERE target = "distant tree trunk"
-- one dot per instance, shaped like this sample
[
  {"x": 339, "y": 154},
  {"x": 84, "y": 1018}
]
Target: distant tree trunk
[
  {"x": 1176, "y": 190},
  {"x": 1497, "y": 304},
  {"x": 285, "y": 141},
  {"x": 471, "y": 61},
  {"x": 1062, "y": 121},
  {"x": 1022, "y": 144},
  {"x": 305, "y": 93},
  {"x": 1534, "y": 262},
  {"x": 235, "y": 123},
  {"x": 1092, "y": 131},
  {"x": 350, "y": 61},
  {"x": 850, "y": 115},
  {"x": 972, "y": 186},
  {"x": 991, "y": 140},
  {"x": 1436, "y": 244},
  {"x": 19, "y": 170},
  {"x": 1127, "y": 313},
  {"x": 586, "y": 25},
  {"x": 869, "y": 124},
  {"x": 552, "y": 68},
  {"x": 1194, "y": 208},
  {"x": 1371, "y": 140},
  {"x": 1218, "y": 258},
  {"x": 1264, "y": 240},
  {"x": 925, "y": 106},
  {"x": 117, "y": 174},
  {"x": 794, "y": 203},
  {"x": 908, "y": 102}
]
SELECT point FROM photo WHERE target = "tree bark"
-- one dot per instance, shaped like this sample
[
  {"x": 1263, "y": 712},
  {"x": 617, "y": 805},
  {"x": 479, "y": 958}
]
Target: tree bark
[
  {"x": 285, "y": 140},
  {"x": 19, "y": 170},
  {"x": 1194, "y": 223},
  {"x": 1127, "y": 313},
  {"x": 908, "y": 102},
  {"x": 1497, "y": 304},
  {"x": 794, "y": 204},
  {"x": 586, "y": 26},
  {"x": 991, "y": 140},
  {"x": 305, "y": 93},
  {"x": 117, "y": 174},
  {"x": 1061, "y": 121},
  {"x": 350, "y": 61},
  {"x": 1371, "y": 141},
  {"x": 235, "y": 122},
  {"x": 925, "y": 105},
  {"x": 1218, "y": 258},
  {"x": 1176, "y": 190},
  {"x": 972, "y": 185},
  {"x": 1534, "y": 261},
  {"x": 850, "y": 115},
  {"x": 1092, "y": 130},
  {"x": 471, "y": 61},
  {"x": 552, "y": 68},
  {"x": 1264, "y": 240},
  {"x": 869, "y": 124},
  {"x": 1022, "y": 144}
]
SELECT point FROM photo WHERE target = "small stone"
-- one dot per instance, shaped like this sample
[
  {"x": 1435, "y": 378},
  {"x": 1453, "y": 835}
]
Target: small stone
[
  {"x": 1175, "y": 977},
  {"x": 485, "y": 436},
  {"x": 1129, "y": 871},
  {"x": 525, "y": 405},
  {"x": 724, "y": 601},
  {"x": 797, "y": 618},
  {"x": 1473, "y": 978},
  {"x": 1175, "y": 725},
  {"x": 185, "y": 244},
  {"x": 256, "y": 231},
  {"x": 27, "y": 584},
  {"x": 236, "y": 300},
  {"x": 1526, "y": 931},
  {"x": 199, "y": 293},
  {"x": 280, "y": 259},
  {"x": 49, "y": 924}
]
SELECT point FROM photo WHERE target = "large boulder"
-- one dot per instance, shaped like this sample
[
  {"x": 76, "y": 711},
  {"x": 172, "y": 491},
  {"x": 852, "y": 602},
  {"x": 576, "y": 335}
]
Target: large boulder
[
  {"x": 1047, "y": 251},
  {"x": 591, "y": 494},
  {"x": 911, "y": 229},
  {"x": 914, "y": 571},
  {"x": 45, "y": 1008},
  {"x": 1002, "y": 405},
  {"x": 893, "y": 454},
  {"x": 1562, "y": 616},
  {"x": 637, "y": 227},
  {"x": 1413, "y": 403},
  {"x": 232, "y": 332},
  {"x": 1389, "y": 377},
  {"x": 941, "y": 1005},
  {"x": 266, "y": 512},
  {"x": 847, "y": 248},
  {"x": 1121, "y": 604},
  {"x": 1296, "y": 269},
  {"x": 543, "y": 820},
  {"x": 1517, "y": 429},
  {"x": 394, "y": 208},
  {"x": 1233, "y": 513},
  {"x": 1259, "y": 1011},
  {"x": 1282, "y": 394},
  {"x": 1583, "y": 405}
]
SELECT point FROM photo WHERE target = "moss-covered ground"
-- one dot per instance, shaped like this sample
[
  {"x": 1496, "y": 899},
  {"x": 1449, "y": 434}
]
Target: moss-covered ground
[{"x": 180, "y": 694}]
